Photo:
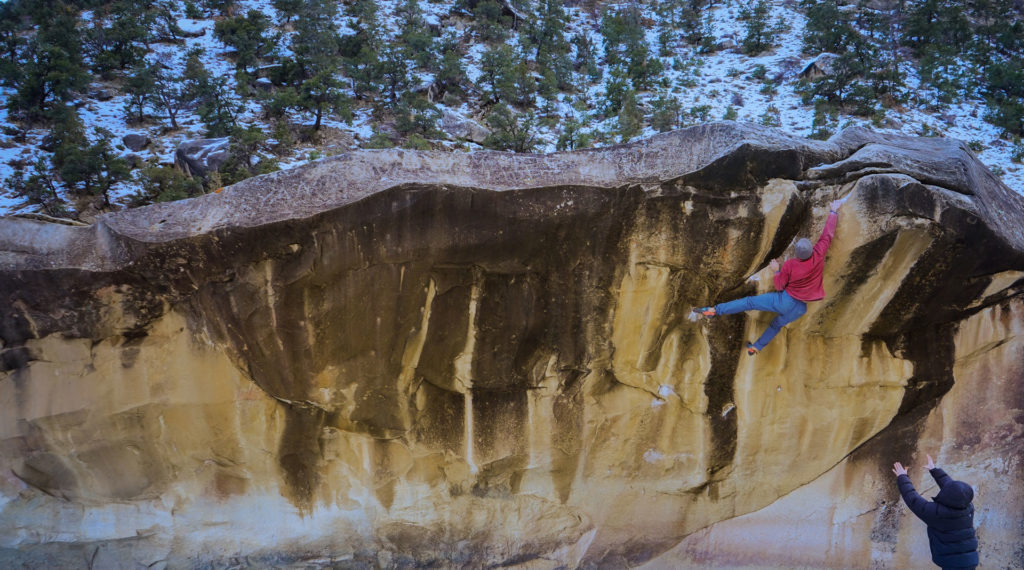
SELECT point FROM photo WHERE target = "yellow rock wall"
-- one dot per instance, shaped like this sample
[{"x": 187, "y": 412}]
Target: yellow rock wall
[{"x": 409, "y": 368}]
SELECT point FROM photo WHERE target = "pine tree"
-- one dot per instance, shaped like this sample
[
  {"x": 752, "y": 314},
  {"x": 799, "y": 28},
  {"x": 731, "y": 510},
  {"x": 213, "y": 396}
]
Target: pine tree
[
  {"x": 615, "y": 90},
  {"x": 140, "y": 87},
  {"x": 11, "y": 43},
  {"x": 937, "y": 26},
  {"x": 394, "y": 74},
  {"x": 414, "y": 35},
  {"x": 87, "y": 168},
  {"x": 215, "y": 104},
  {"x": 316, "y": 45},
  {"x": 416, "y": 117},
  {"x": 248, "y": 35},
  {"x": 165, "y": 21},
  {"x": 323, "y": 94},
  {"x": 510, "y": 130},
  {"x": 496, "y": 65},
  {"x": 695, "y": 21},
  {"x": 1004, "y": 92},
  {"x": 631, "y": 118},
  {"x": 585, "y": 61},
  {"x": 120, "y": 36},
  {"x": 887, "y": 79},
  {"x": 288, "y": 9},
  {"x": 490, "y": 21},
  {"x": 547, "y": 37},
  {"x": 666, "y": 112},
  {"x": 573, "y": 136},
  {"x": 52, "y": 67},
  {"x": 244, "y": 160},
  {"x": 450, "y": 74},
  {"x": 166, "y": 184},
  {"x": 38, "y": 187},
  {"x": 760, "y": 33},
  {"x": 361, "y": 51},
  {"x": 171, "y": 94},
  {"x": 829, "y": 28},
  {"x": 625, "y": 43}
]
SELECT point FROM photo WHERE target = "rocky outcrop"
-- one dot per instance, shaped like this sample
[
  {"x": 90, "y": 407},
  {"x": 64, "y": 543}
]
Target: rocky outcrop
[
  {"x": 458, "y": 127},
  {"x": 203, "y": 156},
  {"x": 393, "y": 358}
]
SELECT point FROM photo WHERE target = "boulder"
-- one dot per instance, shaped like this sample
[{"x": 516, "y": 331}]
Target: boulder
[
  {"x": 203, "y": 156},
  {"x": 47, "y": 144},
  {"x": 458, "y": 126},
  {"x": 135, "y": 142},
  {"x": 101, "y": 94},
  {"x": 819, "y": 66},
  {"x": 445, "y": 359},
  {"x": 264, "y": 85}
]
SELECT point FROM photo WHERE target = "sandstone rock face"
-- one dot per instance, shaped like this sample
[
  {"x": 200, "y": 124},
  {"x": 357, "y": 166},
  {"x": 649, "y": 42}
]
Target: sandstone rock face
[{"x": 397, "y": 358}]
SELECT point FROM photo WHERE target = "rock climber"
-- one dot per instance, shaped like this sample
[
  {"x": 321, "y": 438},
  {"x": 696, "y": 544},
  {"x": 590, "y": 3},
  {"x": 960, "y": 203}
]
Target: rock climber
[
  {"x": 797, "y": 281},
  {"x": 950, "y": 518}
]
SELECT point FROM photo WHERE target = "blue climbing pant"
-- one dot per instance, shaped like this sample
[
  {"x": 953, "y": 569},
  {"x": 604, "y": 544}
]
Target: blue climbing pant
[{"x": 788, "y": 308}]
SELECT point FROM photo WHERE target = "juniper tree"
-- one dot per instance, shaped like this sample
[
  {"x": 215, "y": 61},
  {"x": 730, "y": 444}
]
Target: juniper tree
[{"x": 222, "y": 7}]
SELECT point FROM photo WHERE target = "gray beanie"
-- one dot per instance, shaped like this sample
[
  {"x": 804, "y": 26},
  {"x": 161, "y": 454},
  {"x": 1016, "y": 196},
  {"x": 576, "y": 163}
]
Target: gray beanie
[{"x": 804, "y": 249}]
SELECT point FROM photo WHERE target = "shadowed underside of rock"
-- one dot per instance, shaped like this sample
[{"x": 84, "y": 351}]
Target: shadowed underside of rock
[{"x": 421, "y": 358}]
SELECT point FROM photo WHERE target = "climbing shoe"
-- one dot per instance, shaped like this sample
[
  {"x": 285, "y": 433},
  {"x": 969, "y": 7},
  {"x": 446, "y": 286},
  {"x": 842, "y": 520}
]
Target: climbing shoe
[
  {"x": 706, "y": 311},
  {"x": 752, "y": 350}
]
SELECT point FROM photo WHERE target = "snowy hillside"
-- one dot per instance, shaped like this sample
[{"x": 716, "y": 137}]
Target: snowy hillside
[{"x": 723, "y": 83}]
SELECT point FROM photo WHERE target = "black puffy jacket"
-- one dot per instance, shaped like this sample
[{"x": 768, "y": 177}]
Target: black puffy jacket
[{"x": 950, "y": 519}]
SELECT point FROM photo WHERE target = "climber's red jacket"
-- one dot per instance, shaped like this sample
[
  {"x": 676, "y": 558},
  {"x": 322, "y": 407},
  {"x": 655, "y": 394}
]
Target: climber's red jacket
[{"x": 802, "y": 278}]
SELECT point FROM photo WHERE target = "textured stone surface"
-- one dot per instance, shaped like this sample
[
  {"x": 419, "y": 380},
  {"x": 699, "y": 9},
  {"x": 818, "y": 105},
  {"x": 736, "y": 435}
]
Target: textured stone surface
[{"x": 391, "y": 358}]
